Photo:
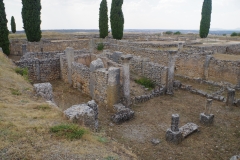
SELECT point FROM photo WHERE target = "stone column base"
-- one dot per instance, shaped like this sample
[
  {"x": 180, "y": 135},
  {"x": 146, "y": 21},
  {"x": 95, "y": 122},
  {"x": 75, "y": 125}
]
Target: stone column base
[
  {"x": 174, "y": 137},
  {"x": 206, "y": 119}
]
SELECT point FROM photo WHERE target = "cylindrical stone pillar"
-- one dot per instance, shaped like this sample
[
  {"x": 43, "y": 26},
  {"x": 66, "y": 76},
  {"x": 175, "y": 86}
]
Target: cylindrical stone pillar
[
  {"x": 70, "y": 58},
  {"x": 230, "y": 98},
  {"x": 208, "y": 107},
  {"x": 175, "y": 122},
  {"x": 171, "y": 67},
  {"x": 126, "y": 79},
  {"x": 113, "y": 95},
  {"x": 24, "y": 49}
]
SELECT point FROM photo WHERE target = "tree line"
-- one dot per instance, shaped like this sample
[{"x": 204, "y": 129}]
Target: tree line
[{"x": 31, "y": 12}]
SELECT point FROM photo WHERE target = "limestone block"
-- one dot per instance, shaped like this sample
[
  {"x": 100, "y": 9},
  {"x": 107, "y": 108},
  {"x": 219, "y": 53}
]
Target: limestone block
[
  {"x": 123, "y": 113},
  {"x": 230, "y": 97},
  {"x": 1, "y": 50},
  {"x": 188, "y": 129},
  {"x": 116, "y": 56},
  {"x": 238, "y": 103},
  {"x": 237, "y": 157},
  {"x": 96, "y": 65},
  {"x": 174, "y": 137},
  {"x": 81, "y": 114},
  {"x": 44, "y": 90},
  {"x": 177, "y": 84},
  {"x": 206, "y": 119}
]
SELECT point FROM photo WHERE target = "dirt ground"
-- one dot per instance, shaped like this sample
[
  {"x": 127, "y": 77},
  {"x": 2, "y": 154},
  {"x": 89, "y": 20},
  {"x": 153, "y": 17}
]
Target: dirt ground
[{"x": 218, "y": 141}]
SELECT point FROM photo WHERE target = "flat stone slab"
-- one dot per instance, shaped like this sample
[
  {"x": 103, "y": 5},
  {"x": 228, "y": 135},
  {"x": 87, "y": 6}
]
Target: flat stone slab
[
  {"x": 188, "y": 129},
  {"x": 123, "y": 114},
  {"x": 235, "y": 157}
]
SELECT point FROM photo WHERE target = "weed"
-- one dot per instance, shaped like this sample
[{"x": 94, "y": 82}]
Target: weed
[
  {"x": 145, "y": 82},
  {"x": 102, "y": 139},
  {"x": 43, "y": 107},
  {"x": 15, "y": 92},
  {"x": 100, "y": 46},
  {"x": 23, "y": 72},
  {"x": 177, "y": 33},
  {"x": 110, "y": 158},
  {"x": 70, "y": 131}
]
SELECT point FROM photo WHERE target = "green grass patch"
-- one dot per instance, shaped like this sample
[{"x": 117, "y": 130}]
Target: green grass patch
[
  {"x": 43, "y": 107},
  {"x": 15, "y": 92},
  {"x": 70, "y": 131},
  {"x": 23, "y": 72},
  {"x": 145, "y": 82},
  {"x": 102, "y": 139},
  {"x": 100, "y": 46}
]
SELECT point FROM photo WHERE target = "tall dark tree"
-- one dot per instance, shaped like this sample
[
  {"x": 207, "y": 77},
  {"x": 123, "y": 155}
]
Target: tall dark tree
[
  {"x": 31, "y": 15},
  {"x": 103, "y": 19},
  {"x": 206, "y": 18},
  {"x": 4, "y": 41},
  {"x": 117, "y": 19},
  {"x": 13, "y": 25}
]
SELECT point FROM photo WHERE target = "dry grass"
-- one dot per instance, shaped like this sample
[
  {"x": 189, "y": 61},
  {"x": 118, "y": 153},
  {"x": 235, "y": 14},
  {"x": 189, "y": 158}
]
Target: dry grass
[
  {"x": 228, "y": 57},
  {"x": 25, "y": 123}
]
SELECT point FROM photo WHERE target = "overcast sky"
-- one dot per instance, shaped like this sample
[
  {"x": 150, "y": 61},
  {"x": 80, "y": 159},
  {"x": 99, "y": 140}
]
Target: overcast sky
[{"x": 138, "y": 14}]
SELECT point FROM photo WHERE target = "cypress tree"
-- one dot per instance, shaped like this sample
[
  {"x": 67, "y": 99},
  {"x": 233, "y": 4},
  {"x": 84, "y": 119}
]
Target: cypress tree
[
  {"x": 13, "y": 25},
  {"x": 117, "y": 19},
  {"x": 4, "y": 32},
  {"x": 206, "y": 18},
  {"x": 31, "y": 12},
  {"x": 103, "y": 19}
]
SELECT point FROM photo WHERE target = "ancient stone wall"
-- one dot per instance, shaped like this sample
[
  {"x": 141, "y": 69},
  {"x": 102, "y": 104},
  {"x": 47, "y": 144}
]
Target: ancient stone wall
[
  {"x": 224, "y": 71},
  {"x": 47, "y": 46},
  {"x": 41, "y": 70}
]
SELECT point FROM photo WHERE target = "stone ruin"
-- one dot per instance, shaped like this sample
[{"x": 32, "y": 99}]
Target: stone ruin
[
  {"x": 84, "y": 114},
  {"x": 106, "y": 76},
  {"x": 44, "y": 90},
  {"x": 176, "y": 134}
]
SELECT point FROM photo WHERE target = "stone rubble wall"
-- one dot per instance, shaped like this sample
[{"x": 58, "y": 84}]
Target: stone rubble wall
[
  {"x": 47, "y": 46},
  {"x": 81, "y": 77},
  {"x": 41, "y": 70}
]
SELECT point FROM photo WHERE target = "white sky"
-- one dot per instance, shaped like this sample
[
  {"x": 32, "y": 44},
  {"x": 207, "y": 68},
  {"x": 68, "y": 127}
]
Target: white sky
[{"x": 138, "y": 14}]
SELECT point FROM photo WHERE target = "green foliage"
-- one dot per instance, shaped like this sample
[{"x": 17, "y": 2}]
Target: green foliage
[
  {"x": 177, "y": 33},
  {"x": 15, "y": 92},
  {"x": 31, "y": 12},
  {"x": 145, "y": 82},
  {"x": 13, "y": 25},
  {"x": 103, "y": 19},
  {"x": 206, "y": 18},
  {"x": 235, "y": 34},
  {"x": 70, "y": 131},
  {"x": 224, "y": 34},
  {"x": 169, "y": 32},
  {"x": 100, "y": 46},
  {"x": 23, "y": 72},
  {"x": 4, "y": 41},
  {"x": 102, "y": 139},
  {"x": 117, "y": 19}
]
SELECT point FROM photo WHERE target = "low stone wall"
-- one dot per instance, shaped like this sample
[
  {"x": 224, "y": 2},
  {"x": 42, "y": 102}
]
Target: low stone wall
[
  {"x": 41, "y": 70},
  {"x": 47, "y": 46}
]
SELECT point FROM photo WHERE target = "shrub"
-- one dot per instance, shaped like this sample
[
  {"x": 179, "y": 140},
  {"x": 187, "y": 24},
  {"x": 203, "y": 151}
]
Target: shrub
[
  {"x": 224, "y": 34},
  {"x": 238, "y": 34},
  {"x": 100, "y": 46},
  {"x": 177, "y": 33},
  {"x": 145, "y": 82},
  {"x": 169, "y": 32},
  {"x": 70, "y": 131},
  {"x": 234, "y": 34}
]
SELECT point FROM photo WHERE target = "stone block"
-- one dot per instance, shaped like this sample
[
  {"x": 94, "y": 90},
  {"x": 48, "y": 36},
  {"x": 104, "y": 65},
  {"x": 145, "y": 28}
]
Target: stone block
[
  {"x": 237, "y": 157},
  {"x": 188, "y": 129},
  {"x": 1, "y": 50},
  {"x": 238, "y": 103},
  {"x": 116, "y": 56},
  {"x": 98, "y": 63},
  {"x": 123, "y": 115},
  {"x": 206, "y": 119},
  {"x": 44, "y": 90},
  {"x": 177, "y": 84},
  {"x": 84, "y": 114},
  {"x": 174, "y": 137}
]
